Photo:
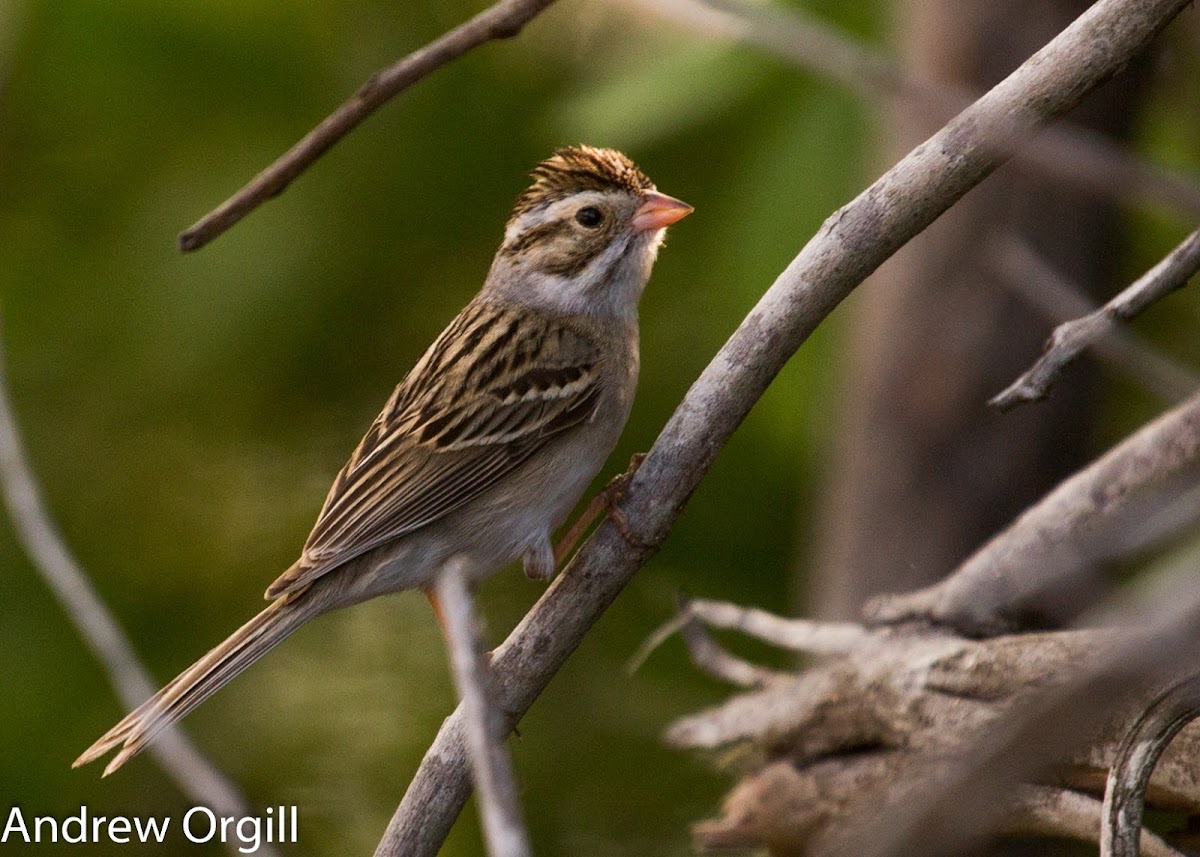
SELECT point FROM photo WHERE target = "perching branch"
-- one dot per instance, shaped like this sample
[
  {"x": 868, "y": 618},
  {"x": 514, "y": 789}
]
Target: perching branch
[
  {"x": 1070, "y": 339},
  {"x": 502, "y": 20},
  {"x": 1137, "y": 756},
  {"x": 499, "y": 808},
  {"x": 851, "y": 244},
  {"x": 1028, "y": 274},
  {"x": 1043, "y": 567},
  {"x": 188, "y": 768},
  {"x": 1068, "y": 153}
]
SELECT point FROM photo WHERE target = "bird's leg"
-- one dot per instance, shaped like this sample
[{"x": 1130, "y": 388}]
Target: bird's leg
[
  {"x": 436, "y": 603},
  {"x": 605, "y": 501}
]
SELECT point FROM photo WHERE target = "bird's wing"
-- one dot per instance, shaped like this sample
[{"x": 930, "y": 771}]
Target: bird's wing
[{"x": 489, "y": 393}]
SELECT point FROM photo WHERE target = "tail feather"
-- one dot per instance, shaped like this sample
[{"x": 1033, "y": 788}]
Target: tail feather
[{"x": 201, "y": 680}]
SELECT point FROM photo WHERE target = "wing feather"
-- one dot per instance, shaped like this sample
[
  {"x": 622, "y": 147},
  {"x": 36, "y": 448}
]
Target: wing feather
[{"x": 489, "y": 393}]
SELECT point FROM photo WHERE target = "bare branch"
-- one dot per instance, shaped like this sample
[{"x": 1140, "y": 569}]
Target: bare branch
[
  {"x": 1042, "y": 811},
  {"x": 1070, "y": 339},
  {"x": 797, "y": 635},
  {"x": 499, "y": 808},
  {"x": 1067, "y": 153},
  {"x": 1043, "y": 567},
  {"x": 188, "y": 768},
  {"x": 919, "y": 740},
  {"x": 717, "y": 662},
  {"x": 502, "y": 20},
  {"x": 1138, "y": 754},
  {"x": 956, "y": 800},
  {"x": 1031, "y": 276},
  {"x": 851, "y": 244}
]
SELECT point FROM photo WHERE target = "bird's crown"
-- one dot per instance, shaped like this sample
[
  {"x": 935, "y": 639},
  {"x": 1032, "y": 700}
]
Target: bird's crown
[{"x": 578, "y": 168}]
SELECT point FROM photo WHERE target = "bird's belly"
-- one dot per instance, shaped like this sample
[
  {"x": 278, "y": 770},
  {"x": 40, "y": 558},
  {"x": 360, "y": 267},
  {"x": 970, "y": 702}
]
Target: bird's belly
[{"x": 489, "y": 532}]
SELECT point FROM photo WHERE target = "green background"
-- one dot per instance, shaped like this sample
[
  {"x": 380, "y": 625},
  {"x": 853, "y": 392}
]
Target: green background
[{"x": 185, "y": 414}]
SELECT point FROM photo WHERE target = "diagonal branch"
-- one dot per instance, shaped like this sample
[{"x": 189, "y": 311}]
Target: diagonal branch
[
  {"x": 851, "y": 244},
  {"x": 502, "y": 20},
  {"x": 195, "y": 775},
  {"x": 1071, "y": 338},
  {"x": 1069, "y": 153},
  {"x": 1031, "y": 276}
]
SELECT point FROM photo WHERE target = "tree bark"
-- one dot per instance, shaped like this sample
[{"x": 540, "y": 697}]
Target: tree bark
[{"x": 924, "y": 472}]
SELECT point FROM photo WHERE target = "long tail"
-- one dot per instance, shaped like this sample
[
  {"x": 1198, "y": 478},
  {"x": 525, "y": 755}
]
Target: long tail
[{"x": 202, "y": 679}]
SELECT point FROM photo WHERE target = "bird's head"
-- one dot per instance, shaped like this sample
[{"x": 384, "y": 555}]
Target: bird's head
[{"x": 583, "y": 237}]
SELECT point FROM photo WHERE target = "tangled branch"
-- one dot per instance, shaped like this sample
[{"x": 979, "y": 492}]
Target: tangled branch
[{"x": 850, "y": 245}]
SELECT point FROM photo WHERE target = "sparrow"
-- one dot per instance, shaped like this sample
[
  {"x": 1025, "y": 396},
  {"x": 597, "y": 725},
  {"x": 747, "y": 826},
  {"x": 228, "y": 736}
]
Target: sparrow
[{"x": 490, "y": 440}]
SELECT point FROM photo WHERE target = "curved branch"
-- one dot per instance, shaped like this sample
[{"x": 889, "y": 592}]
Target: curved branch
[
  {"x": 851, "y": 244},
  {"x": 501, "y": 21},
  {"x": 188, "y": 768},
  {"x": 1071, "y": 338},
  {"x": 1125, "y": 793}
]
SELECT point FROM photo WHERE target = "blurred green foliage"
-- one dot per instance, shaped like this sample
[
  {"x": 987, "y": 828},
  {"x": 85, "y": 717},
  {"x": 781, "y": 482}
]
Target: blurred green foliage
[{"x": 186, "y": 414}]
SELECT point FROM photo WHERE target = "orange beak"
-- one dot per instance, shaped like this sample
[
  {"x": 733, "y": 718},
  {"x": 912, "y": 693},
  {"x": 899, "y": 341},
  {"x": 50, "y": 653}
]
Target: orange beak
[{"x": 659, "y": 211}]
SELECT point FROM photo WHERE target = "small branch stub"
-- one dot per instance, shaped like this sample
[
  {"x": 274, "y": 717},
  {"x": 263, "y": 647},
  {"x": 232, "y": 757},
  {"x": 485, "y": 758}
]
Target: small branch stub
[{"x": 1071, "y": 338}]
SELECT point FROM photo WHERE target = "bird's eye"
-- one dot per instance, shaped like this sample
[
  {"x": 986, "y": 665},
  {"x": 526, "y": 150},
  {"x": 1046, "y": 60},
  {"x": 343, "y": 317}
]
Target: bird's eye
[{"x": 589, "y": 216}]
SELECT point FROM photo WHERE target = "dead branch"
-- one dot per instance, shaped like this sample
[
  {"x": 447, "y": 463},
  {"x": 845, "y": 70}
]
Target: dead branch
[
  {"x": 1068, "y": 153},
  {"x": 1024, "y": 271},
  {"x": 849, "y": 246},
  {"x": 502, "y": 20},
  {"x": 1139, "y": 752},
  {"x": 834, "y": 759},
  {"x": 954, "y": 803},
  {"x": 188, "y": 768},
  {"x": 1070, "y": 339},
  {"x": 499, "y": 808},
  {"x": 1043, "y": 568}
]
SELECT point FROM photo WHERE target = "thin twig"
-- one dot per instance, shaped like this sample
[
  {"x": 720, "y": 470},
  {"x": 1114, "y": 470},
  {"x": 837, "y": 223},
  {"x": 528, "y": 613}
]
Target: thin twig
[
  {"x": 1070, "y": 339},
  {"x": 1028, "y": 274},
  {"x": 499, "y": 808},
  {"x": 1083, "y": 158},
  {"x": 195, "y": 775},
  {"x": 707, "y": 655},
  {"x": 851, "y": 244},
  {"x": 703, "y": 650},
  {"x": 1138, "y": 754},
  {"x": 502, "y": 20},
  {"x": 797, "y": 635}
]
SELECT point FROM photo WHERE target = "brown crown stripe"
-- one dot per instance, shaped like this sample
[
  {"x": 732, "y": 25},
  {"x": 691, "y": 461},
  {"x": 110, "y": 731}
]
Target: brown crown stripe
[{"x": 580, "y": 168}]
